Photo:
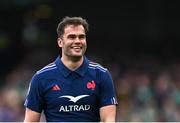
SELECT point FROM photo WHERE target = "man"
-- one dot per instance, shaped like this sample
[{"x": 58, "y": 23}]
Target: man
[{"x": 72, "y": 88}]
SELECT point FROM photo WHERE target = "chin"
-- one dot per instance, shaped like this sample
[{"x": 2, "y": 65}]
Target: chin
[{"x": 78, "y": 56}]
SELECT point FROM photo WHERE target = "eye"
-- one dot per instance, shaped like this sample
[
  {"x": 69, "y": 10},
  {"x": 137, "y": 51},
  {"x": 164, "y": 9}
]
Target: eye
[
  {"x": 71, "y": 37},
  {"x": 81, "y": 37}
]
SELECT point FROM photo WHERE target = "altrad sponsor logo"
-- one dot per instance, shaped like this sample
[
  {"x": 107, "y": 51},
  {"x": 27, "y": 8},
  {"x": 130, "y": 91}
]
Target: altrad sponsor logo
[{"x": 69, "y": 108}]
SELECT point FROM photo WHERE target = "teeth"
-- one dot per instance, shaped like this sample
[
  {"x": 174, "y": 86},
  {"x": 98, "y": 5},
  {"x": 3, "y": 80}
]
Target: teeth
[{"x": 76, "y": 47}]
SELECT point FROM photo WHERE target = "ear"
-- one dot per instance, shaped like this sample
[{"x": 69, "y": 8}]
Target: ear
[{"x": 59, "y": 41}]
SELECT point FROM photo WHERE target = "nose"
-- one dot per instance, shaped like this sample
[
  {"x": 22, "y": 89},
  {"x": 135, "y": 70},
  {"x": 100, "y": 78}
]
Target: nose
[{"x": 77, "y": 40}]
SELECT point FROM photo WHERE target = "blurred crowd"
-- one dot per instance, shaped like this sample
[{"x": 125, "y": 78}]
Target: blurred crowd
[{"x": 147, "y": 90}]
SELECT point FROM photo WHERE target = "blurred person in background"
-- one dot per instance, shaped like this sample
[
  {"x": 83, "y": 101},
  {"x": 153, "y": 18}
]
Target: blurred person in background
[{"x": 72, "y": 88}]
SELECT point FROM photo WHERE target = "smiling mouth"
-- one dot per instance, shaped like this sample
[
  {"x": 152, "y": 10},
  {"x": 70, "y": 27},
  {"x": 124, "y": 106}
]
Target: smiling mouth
[{"x": 77, "y": 48}]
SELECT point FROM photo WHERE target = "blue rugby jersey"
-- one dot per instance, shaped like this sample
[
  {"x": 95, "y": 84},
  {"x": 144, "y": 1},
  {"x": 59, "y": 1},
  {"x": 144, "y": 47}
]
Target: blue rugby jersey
[{"x": 68, "y": 96}]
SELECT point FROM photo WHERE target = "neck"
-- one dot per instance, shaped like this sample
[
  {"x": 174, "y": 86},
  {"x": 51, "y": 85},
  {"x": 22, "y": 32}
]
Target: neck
[{"x": 72, "y": 63}]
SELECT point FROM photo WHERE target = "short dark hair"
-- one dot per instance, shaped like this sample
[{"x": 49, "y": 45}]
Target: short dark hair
[{"x": 71, "y": 21}]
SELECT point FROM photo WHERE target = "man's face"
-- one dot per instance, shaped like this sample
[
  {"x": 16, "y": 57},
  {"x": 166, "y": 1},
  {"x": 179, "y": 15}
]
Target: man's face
[{"x": 73, "y": 42}]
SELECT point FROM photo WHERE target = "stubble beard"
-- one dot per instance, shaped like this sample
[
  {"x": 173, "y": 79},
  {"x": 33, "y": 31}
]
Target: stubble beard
[{"x": 75, "y": 58}]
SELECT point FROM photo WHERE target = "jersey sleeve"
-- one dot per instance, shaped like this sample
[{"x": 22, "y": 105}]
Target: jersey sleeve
[
  {"x": 107, "y": 90},
  {"x": 34, "y": 99}
]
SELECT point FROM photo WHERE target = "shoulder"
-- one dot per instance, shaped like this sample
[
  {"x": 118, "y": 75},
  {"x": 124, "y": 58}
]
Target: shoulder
[
  {"x": 46, "y": 70},
  {"x": 100, "y": 72},
  {"x": 41, "y": 78},
  {"x": 96, "y": 66}
]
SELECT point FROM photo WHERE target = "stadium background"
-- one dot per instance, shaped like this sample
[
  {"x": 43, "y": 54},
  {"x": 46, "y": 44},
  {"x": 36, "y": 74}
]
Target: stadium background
[{"x": 138, "y": 41}]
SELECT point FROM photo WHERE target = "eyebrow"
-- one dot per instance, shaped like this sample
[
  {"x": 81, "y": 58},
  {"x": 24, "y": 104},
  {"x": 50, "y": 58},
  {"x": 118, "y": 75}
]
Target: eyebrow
[{"x": 74, "y": 35}]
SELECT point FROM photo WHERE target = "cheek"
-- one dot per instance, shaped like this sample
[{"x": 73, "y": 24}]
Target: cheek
[
  {"x": 84, "y": 42},
  {"x": 66, "y": 45},
  {"x": 63, "y": 44}
]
